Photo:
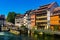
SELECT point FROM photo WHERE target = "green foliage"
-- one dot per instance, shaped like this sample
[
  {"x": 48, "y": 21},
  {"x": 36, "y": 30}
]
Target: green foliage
[
  {"x": 11, "y": 17},
  {"x": 34, "y": 27},
  {"x": 56, "y": 27},
  {"x": 23, "y": 26},
  {"x": 36, "y": 32}
]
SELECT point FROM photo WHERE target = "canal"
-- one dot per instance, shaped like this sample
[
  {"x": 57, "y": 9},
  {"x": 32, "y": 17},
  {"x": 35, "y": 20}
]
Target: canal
[{"x": 28, "y": 37}]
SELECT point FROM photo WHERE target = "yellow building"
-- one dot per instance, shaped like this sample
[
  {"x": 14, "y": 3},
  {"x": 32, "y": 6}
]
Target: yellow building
[
  {"x": 41, "y": 19},
  {"x": 43, "y": 15}
]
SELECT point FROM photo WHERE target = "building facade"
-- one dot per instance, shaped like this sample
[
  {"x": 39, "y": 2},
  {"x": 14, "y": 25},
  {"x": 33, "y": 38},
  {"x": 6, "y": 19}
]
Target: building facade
[
  {"x": 19, "y": 20},
  {"x": 55, "y": 19},
  {"x": 43, "y": 15},
  {"x": 27, "y": 21},
  {"x": 33, "y": 19}
]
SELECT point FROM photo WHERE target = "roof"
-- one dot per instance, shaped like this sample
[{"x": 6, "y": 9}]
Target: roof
[
  {"x": 2, "y": 17},
  {"x": 38, "y": 10},
  {"x": 56, "y": 9},
  {"x": 47, "y": 5},
  {"x": 19, "y": 16},
  {"x": 44, "y": 7}
]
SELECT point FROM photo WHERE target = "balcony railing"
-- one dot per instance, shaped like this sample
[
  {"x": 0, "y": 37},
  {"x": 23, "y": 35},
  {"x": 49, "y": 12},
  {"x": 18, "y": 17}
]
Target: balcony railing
[
  {"x": 43, "y": 24},
  {"x": 41, "y": 16},
  {"x": 41, "y": 20}
]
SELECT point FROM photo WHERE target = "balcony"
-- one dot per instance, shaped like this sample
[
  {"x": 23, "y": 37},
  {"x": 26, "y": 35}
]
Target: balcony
[
  {"x": 41, "y": 17},
  {"x": 43, "y": 24},
  {"x": 41, "y": 20}
]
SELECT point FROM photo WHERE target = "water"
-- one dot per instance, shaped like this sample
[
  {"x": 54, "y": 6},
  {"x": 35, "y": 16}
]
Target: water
[{"x": 26, "y": 37}]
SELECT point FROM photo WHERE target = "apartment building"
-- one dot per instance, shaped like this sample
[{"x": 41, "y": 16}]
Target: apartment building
[
  {"x": 43, "y": 15},
  {"x": 19, "y": 20},
  {"x": 41, "y": 19},
  {"x": 55, "y": 19}
]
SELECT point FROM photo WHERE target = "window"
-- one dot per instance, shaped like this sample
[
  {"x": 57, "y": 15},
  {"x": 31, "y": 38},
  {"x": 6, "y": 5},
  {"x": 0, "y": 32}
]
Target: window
[
  {"x": 59, "y": 16},
  {"x": 18, "y": 22},
  {"x": 32, "y": 18},
  {"x": 41, "y": 14},
  {"x": 41, "y": 23},
  {"x": 32, "y": 21},
  {"x": 59, "y": 21},
  {"x": 57, "y": 12},
  {"x": 38, "y": 14}
]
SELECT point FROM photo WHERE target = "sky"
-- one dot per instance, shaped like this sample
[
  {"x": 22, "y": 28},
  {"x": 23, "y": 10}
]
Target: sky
[{"x": 21, "y": 6}]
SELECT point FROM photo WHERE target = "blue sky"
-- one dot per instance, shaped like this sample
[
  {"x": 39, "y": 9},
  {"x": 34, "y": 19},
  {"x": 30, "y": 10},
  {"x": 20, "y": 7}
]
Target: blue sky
[{"x": 20, "y": 6}]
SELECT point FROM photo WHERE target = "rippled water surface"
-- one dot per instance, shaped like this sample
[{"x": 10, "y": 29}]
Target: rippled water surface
[{"x": 27, "y": 37}]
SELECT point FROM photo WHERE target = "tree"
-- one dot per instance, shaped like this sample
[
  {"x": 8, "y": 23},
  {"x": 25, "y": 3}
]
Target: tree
[{"x": 11, "y": 17}]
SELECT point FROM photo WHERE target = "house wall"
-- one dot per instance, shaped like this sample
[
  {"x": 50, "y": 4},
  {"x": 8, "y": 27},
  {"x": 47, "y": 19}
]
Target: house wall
[
  {"x": 54, "y": 21},
  {"x": 19, "y": 22},
  {"x": 33, "y": 20}
]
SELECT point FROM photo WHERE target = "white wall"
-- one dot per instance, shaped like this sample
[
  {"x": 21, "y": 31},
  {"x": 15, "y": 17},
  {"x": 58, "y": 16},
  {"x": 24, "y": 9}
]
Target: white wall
[
  {"x": 20, "y": 20},
  {"x": 49, "y": 13}
]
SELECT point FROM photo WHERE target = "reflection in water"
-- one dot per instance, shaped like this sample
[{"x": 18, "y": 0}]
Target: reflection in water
[
  {"x": 26, "y": 37},
  {"x": 45, "y": 37}
]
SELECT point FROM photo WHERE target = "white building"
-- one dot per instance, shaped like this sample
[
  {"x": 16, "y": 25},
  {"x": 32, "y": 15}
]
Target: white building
[
  {"x": 27, "y": 21},
  {"x": 19, "y": 20}
]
